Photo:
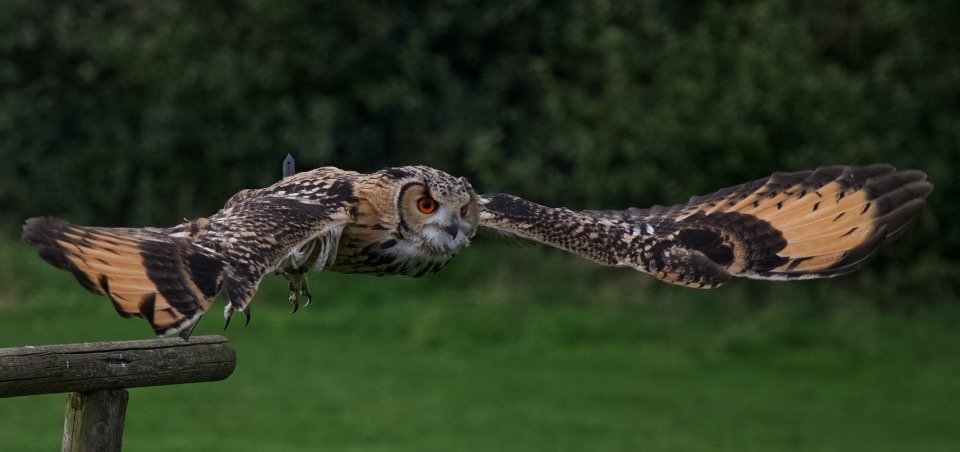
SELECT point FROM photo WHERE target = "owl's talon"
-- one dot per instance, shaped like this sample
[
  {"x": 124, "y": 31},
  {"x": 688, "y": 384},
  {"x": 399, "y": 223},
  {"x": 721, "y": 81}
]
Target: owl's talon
[
  {"x": 305, "y": 291},
  {"x": 294, "y": 295},
  {"x": 298, "y": 287},
  {"x": 227, "y": 314}
]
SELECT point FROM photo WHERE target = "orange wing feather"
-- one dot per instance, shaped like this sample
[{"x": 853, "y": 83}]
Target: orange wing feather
[
  {"x": 799, "y": 225},
  {"x": 144, "y": 272}
]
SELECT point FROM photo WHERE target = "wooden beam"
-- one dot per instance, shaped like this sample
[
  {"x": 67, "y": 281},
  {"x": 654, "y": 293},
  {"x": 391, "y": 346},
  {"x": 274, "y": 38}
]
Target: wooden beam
[{"x": 113, "y": 365}]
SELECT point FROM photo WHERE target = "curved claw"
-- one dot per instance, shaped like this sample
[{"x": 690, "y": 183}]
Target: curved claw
[
  {"x": 246, "y": 314},
  {"x": 292, "y": 286},
  {"x": 227, "y": 314},
  {"x": 298, "y": 286},
  {"x": 305, "y": 291},
  {"x": 294, "y": 297}
]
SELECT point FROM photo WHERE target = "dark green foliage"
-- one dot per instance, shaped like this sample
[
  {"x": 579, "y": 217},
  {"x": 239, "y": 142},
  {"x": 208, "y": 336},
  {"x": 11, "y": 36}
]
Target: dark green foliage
[{"x": 143, "y": 112}]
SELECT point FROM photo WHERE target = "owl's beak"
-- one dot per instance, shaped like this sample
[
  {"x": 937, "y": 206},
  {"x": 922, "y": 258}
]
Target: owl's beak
[{"x": 453, "y": 228}]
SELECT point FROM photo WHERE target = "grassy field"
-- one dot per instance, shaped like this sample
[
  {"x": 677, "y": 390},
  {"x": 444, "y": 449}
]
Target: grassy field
[{"x": 522, "y": 350}]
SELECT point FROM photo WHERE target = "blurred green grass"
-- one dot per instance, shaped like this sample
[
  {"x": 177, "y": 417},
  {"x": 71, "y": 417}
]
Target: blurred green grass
[{"x": 525, "y": 348}]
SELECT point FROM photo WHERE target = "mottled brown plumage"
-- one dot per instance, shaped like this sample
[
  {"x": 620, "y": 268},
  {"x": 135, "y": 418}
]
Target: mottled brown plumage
[{"x": 413, "y": 220}]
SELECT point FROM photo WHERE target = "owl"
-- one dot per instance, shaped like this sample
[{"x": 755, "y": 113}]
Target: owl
[{"x": 412, "y": 220}]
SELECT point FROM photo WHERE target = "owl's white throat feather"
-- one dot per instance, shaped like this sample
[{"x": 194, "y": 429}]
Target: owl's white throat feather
[{"x": 437, "y": 240}]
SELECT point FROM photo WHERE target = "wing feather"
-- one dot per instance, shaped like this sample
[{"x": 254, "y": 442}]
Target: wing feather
[
  {"x": 791, "y": 225},
  {"x": 256, "y": 235},
  {"x": 169, "y": 276}
]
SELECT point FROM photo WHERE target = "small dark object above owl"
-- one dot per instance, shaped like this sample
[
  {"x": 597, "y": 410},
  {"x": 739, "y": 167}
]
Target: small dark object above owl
[{"x": 413, "y": 220}]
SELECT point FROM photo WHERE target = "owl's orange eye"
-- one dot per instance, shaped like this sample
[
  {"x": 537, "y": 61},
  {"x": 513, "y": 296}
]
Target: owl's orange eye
[
  {"x": 427, "y": 205},
  {"x": 464, "y": 210}
]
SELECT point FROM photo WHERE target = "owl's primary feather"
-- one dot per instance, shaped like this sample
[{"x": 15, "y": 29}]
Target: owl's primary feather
[
  {"x": 413, "y": 220},
  {"x": 145, "y": 272}
]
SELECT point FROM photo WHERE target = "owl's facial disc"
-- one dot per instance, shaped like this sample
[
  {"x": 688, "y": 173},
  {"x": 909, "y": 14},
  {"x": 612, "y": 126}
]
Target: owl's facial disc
[{"x": 439, "y": 220}]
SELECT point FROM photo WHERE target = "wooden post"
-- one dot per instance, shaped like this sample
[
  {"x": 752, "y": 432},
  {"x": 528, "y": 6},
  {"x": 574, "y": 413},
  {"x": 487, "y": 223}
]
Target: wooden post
[
  {"x": 96, "y": 375},
  {"x": 94, "y": 420}
]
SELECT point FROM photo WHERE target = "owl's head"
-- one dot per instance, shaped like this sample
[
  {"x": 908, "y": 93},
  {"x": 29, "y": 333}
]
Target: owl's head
[{"x": 437, "y": 212}]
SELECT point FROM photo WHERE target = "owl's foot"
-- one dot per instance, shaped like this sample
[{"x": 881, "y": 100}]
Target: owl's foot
[
  {"x": 295, "y": 299},
  {"x": 228, "y": 313},
  {"x": 298, "y": 287}
]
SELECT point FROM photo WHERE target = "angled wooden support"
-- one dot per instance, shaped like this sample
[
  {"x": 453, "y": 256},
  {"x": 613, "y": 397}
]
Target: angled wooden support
[{"x": 97, "y": 374}]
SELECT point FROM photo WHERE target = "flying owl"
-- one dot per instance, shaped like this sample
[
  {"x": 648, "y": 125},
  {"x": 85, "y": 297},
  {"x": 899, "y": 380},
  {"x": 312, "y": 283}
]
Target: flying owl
[{"x": 413, "y": 220}]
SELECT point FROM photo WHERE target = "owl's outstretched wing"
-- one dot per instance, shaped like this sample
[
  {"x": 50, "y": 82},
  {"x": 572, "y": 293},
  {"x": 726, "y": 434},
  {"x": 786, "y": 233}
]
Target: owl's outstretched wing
[
  {"x": 800, "y": 225},
  {"x": 170, "y": 275}
]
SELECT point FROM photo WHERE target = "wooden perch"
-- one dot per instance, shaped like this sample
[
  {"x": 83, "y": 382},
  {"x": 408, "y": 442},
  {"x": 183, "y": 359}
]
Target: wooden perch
[
  {"x": 96, "y": 375},
  {"x": 113, "y": 365}
]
